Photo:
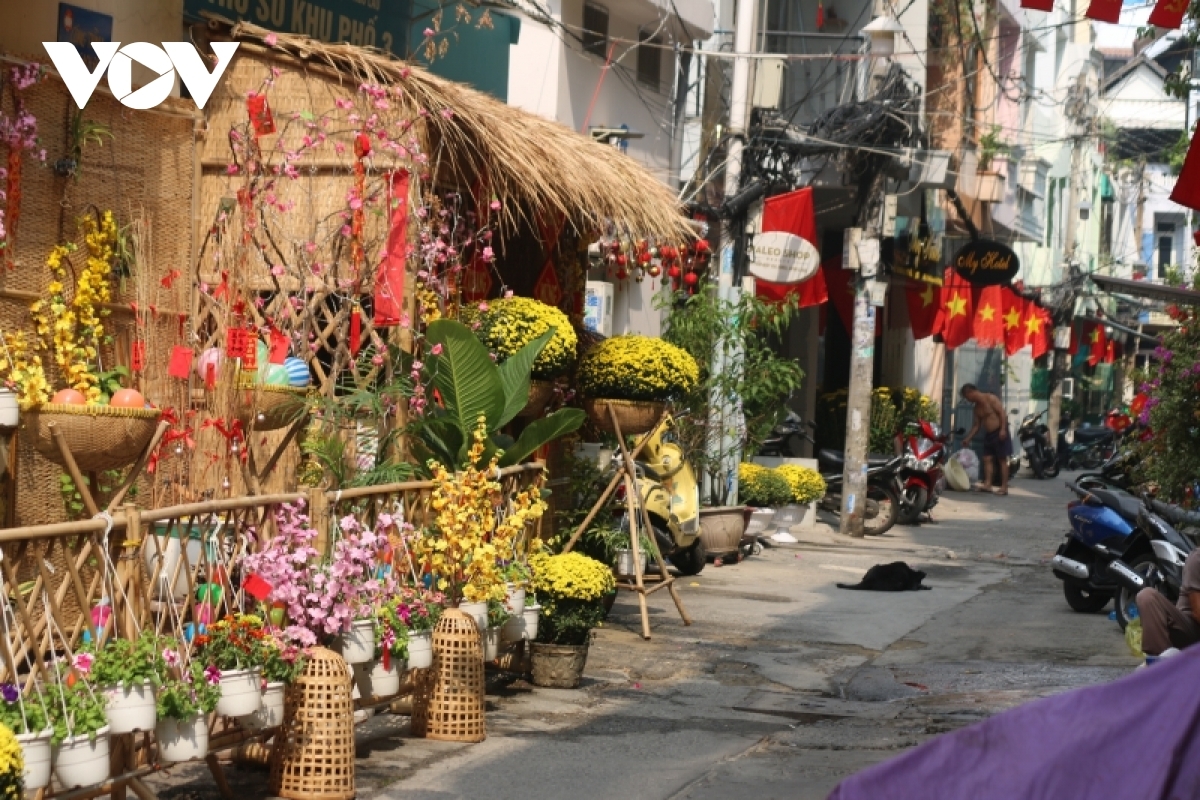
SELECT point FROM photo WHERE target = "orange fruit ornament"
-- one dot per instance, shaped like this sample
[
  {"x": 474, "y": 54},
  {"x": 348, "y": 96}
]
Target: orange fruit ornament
[
  {"x": 127, "y": 398},
  {"x": 68, "y": 397}
]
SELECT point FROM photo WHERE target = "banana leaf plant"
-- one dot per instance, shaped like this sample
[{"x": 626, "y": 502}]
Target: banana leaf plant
[{"x": 472, "y": 386}]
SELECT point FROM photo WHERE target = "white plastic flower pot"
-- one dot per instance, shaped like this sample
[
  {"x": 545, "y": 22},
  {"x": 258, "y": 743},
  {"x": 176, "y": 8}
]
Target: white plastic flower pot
[
  {"x": 241, "y": 693},
  {"x": 10, "y": 414},
  {"x": 477, "y": 612},
  {"x": 130, "y": 708},
  {"x": 35, "y": 751},
  {"x": 420, "y": 649},
  {"x": 82, "y": 761},
  {"x": 270, "y": 715},
  {"x": 789, "y": 515},
  {"x": 375, "y": 681},
  {"x": 358, "y": 643},
  {"x": 514, "y": 629},
  {"x": 515, "y": 601},
  {"x": 532, "y": 613},
  {"x": 762, "y": 520},
  {"x": 491, "y": 643},
  {"x": 182, "y": 740}
]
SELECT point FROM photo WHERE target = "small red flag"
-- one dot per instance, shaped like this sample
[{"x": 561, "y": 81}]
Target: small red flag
[
  {"x": 278, "y": 347},
  {"x": 250, "y": 352},
  {"x": 1169, "y": 14},
  {"x": 989, "y": 317},
  {"x": 1105, "y": 11},
  {"x": 181, "y": 362},
  {"x": 1038, "y": 329},
  {"x": 956, "y": 314},
  {"x": 235, "y": 343},
  {"x": 257, "y": 587},
  {"x": 137, "y": 356},
  {"x": 1187, "y": 185},
  {"x": 1097, "y": 344},
  {"x": 923, "y": 309},
  {"x": 1014, "y": 318}
]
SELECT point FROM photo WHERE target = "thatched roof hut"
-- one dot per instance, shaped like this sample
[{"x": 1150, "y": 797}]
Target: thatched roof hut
[{"x": 540, "y": 166}]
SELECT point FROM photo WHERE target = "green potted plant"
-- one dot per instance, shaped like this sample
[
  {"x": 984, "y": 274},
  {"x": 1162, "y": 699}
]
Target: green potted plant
[
  {"x": 509, "y": 324},
  {"x": 420, "y": 612},
  {"x": 381, "y": 677},
  {"x": 80, "y": 743},
  {"x": 634, "y": 376},
  {"x": 188, "y": 695},
  {"x": 763, "y": 490},
  {"x": 282, "y": 664},
  {"x": 990, "y": 183},
  {"x": 571, "y": 588},
  {"x": 28, "y": 719},
  {"x": 126, "y": 672},
  {"x": 232, "y": 650},
  {"x": 807, "y": 487}
]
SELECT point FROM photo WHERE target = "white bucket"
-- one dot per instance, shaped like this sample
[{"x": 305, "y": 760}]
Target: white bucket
[
  {"x": 130, "y": 708},
  {"x": 515, "y": 601},
  {"x": 10, "y": 412},
  {"x": 82, "y": 761},
  {"x": 514, "y": 629},
  {"x": 241, "y": 693},
  {"x": 375, "y": 681},
  {"x": 420, "y": 649},
  {"x": 358, "y": 643},
  {"x": 35, "y": 750},
  {"x": 270, "y": 715},
  {"x": 478, "y": 612},
  {"x": 491, "y": 644},
  {"x": 532, "y": 613},
  {"x": 182, "y": 740}
]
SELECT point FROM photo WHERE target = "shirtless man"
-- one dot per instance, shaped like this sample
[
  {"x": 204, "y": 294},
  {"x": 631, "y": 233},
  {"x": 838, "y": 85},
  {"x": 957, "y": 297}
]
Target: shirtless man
[{"x": 997, "y": 445}]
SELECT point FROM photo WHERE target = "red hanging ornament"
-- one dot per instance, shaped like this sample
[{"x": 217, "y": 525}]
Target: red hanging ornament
[
  {"x": 355, "y": 331},
  {"x": 362, "y": 145},
  {"x": 622, "y": 274},
  {"x": 655, "y": 270}
]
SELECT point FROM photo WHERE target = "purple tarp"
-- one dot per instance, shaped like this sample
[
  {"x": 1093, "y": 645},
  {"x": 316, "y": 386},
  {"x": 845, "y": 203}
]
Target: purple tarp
[{"x": 1136, "y": 737}]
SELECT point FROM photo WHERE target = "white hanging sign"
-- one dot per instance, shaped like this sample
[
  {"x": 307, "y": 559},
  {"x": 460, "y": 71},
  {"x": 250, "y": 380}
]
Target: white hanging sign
[{"x": 783, "y": 258}]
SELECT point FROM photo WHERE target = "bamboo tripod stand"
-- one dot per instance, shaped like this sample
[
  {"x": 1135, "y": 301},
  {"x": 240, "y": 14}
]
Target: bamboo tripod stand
[{"x": 637, "y": 516}]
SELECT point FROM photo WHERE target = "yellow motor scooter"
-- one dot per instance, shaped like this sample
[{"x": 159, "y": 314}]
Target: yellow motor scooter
[{"x": 668, "y": 489}]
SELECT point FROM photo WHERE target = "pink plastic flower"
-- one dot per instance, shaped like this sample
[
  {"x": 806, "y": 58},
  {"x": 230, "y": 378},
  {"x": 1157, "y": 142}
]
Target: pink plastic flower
[
  {"x": 436, "y": 349},
  {"x": 170, "y": 657},
  {"x": 83, "y": 662},
  {"x": 212, "y": 675}
]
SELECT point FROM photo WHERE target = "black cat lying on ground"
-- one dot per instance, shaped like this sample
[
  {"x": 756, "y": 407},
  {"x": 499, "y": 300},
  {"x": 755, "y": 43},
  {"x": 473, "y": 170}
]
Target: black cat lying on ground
[{"x": 894, "y": 577}]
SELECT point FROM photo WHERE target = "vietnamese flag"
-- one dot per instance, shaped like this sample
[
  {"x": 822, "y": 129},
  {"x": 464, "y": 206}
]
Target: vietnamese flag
[
  {"x": 956, "y": 314},
  {"x": 1037, "y": 329},
  {"x": 1169, "y": 14},
  {"x": 989, "y": 319},
  {"x": 1104, "y": 11},
  {"x": 793, "y": 213},
  {"x": 923, "y": 310},
  {"x": 1013, "y": 316},
  {"x": 1097, "y": 345},
  {"x": 1110, "y": 352},
  {"x": 1187, "y": 185}
]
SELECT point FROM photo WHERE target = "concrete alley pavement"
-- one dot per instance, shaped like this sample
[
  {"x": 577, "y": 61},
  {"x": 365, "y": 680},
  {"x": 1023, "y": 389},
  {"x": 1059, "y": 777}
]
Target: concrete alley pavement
[{"x": 785, "y": 684}]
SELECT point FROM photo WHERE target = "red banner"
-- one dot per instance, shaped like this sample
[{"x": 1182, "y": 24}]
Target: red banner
[
  {"x": 793, "y": 213},
  {"x": 1187, "y": 185},
  {"x": 1105, "y": 11},
  {"x": 1169, "y": 14},
  {"x": 956, "y": 315},
  {"x": 389, "y": 281},
  {"x": 923, "y": 309},
  {"x": 1038, "y": 5}
]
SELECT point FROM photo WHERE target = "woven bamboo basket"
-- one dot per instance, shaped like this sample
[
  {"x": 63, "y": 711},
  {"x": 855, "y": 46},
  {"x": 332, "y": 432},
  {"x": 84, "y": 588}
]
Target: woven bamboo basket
[
  {"x": 100, "y": 437},
  {"x": 540, "y": 395},
  {"x": 313, "y": 754},
  {"x": 453, "y": 708},
  {"x": 268, "y": 408},
  {"x": 634, "y": 416}
]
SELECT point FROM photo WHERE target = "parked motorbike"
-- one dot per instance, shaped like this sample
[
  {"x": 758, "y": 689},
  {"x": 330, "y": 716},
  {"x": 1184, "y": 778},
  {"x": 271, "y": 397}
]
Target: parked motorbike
[
  {"x": 1084, "y": 448},
  {"x": 924, "y": 449},
  {"x": 882, "y": 503},
  {"x": 1115, "y": 473},
  {"x": 1034, "y": 437},
  {"x": 1156, "y": 554},
  {"x": 786, "y": 438},
  {"x": 1089, "y": 562},
  {"x": 668, "y": 489}
]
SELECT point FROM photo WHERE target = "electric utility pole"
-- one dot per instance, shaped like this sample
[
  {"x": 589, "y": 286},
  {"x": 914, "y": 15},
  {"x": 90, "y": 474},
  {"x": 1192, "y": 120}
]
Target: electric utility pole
[{"x": 862, "y": 361}]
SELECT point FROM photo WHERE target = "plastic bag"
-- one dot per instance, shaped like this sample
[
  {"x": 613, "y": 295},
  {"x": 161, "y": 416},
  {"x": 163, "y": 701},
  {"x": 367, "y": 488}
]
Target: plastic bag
[
  {"x": 970, "y": 463},
  {"x": 1133, "y": 638},
  {"x": 956, "y": 477}
]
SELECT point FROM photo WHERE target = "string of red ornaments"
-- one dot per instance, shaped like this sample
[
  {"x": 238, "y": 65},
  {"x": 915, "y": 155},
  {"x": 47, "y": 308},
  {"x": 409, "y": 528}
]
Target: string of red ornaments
[{"x": 638, "y": 259}]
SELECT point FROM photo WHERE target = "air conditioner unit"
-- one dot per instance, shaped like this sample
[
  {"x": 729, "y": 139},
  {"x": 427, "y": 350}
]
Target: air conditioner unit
[
  {"x": 1068, "y": 389},
  {"x": 598, "y": 307}
]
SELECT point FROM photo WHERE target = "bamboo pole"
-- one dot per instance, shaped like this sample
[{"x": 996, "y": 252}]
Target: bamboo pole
[{"x": 85, "y": 491}]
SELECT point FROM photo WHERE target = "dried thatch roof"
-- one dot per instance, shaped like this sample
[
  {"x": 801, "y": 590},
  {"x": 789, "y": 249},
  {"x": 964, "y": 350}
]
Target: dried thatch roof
[{"x": 539, "y": 166}]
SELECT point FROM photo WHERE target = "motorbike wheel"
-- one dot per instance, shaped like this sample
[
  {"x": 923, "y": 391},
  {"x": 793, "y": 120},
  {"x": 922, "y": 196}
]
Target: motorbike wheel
[
  {"x": 1051, "y": 469},
  {"x": 1092, "y": 458},
  {"x": 1035, "y": 464},
  {"x": 883, "y": 509},
  {"x": 916, "y": 498},
  {"x": 1085, "y": 601},
  {"x": 690, "y": 561},
  {"x": 1147, "y": 567}
]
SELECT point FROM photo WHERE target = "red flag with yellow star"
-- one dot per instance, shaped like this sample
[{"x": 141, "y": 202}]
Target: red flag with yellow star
[
  {"x": 1038, "y": 329},
  {"x": 1097, "y": 344},
  {"x": 956, "y": 316},
  {"x": 923, "y": 309},
  {"x": 989, "y": 318},
  {"x": 1013, "y": 318}
]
